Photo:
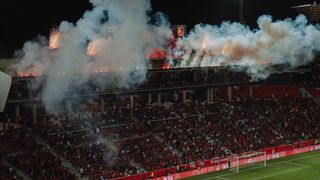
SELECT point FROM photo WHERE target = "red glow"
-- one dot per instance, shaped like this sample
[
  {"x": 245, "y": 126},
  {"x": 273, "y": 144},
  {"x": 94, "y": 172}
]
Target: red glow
[
  {"x": 166, "y": 66},
  {"x": 28, "y": 74},
  {"x": 156, "y": 53}
]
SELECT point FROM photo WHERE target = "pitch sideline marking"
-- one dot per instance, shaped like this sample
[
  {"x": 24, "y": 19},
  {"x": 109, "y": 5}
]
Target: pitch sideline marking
[
  {"x": 283, "y": 172},
  {"x": 222, "y": 178},
  {"x": 298, "y": 164},
  {"x": 288, "y": 161}
]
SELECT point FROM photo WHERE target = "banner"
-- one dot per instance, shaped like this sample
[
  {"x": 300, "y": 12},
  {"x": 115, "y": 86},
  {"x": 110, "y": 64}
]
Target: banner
[{"x": 218, "y": 164}]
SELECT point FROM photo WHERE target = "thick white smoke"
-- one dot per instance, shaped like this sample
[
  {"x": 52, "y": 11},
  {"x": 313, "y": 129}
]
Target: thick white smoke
[
  {"x": 125, "y": 55},
  {"x": 288, "y": 43}
]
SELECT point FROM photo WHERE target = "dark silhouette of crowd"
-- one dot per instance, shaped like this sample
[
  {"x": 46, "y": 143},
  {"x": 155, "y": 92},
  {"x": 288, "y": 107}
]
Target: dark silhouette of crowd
[{"x": 121, "y": 141}]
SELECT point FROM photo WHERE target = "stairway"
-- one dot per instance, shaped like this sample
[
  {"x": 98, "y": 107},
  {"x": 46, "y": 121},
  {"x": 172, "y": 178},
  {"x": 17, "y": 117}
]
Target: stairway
[
  {"x": 134, "y": 164},
  {"x": 19, "y": 172},
  {"x": 305, "y": 93},
  {"x": 158, "y": 138},
  {"x": 64, "y": 162}
]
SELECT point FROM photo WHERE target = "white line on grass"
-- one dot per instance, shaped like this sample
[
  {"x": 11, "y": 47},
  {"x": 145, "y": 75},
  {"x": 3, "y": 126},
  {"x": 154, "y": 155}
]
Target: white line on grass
[
  {"x": 222, "y": 178},
  {"x": 298, "y": 164},
  {"x": 288, "y": 161},
  {"x": 219, "y": 177},
  {"x": 283, "y": 172}
]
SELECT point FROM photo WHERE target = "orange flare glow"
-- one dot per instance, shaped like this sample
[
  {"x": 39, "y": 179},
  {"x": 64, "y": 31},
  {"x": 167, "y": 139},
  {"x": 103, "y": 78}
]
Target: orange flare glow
[
  {"x": 265, "y": 62},
  {"x": 102, "y": 69},
  {"x": 92, "y": 48},
  {"x": 28, "y": 74},
  {"x": 226, "y": 49},
  {"x": 204, "y": 43},
  {"x": 95, "y": 46},
  {"x": 55, "y": 39}
]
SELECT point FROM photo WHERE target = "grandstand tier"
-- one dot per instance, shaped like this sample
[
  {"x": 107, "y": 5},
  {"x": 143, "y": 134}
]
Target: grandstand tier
[{"x": 153, "y": 134}]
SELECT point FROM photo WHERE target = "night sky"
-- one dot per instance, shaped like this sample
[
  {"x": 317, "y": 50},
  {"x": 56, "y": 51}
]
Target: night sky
[{"x": 23, "y": 20}]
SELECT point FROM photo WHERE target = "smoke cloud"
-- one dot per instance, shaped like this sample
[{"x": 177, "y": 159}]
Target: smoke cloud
[
  {"x": 120, "y": 50},
  {"x": 115, "y": 35},
  {"x": 287, "y": 44}
]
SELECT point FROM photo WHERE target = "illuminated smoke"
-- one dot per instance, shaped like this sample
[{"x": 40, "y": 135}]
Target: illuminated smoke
[
  {"x": 288, "y": 43},
  {"x": 86, "y": 48},
  {"x": 73, "y": 56},
  {"x": 226, "y": 49},
  {"x": 55, "y": 39},
  {"x": 92, "y": 48},
  {"x": 97, "y": 45}
]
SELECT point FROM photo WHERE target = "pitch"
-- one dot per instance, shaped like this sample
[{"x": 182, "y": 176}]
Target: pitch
[{"x": 299, "y": 167}]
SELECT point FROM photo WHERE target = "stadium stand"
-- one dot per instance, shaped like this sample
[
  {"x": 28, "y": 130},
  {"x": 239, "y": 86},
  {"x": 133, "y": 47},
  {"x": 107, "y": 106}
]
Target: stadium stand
[{"x": 106, "y": 137}]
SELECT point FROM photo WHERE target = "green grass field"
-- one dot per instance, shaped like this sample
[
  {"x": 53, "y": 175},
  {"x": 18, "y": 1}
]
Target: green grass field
[
  {"x": 299, "y": 167},
  {"x": 6, "y": 64}
]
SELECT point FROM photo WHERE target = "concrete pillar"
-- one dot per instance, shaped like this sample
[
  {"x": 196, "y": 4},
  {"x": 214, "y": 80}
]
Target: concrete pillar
[
  {"x": 69, "y": 108},
  {"x": 101, "y": 108},
  {"x": 175, "y": 96},
  {"x": 131, "y": 102},
  {"x": 30, "y": 88},
  {"x": 159, "y": 99},
  {"x": 17, "y": 111},
  {"x": 149, "y": 98},
  {"x": 208, "y": 96},
  {"x": 101, "y": 104},
  {"x": 250, "y": 91},
  {"x": 184, "y": 96},
  {"x": 229, "y": 93},
  {"x": 205, "y": 76},
  {"x": 34, "y": 113}
]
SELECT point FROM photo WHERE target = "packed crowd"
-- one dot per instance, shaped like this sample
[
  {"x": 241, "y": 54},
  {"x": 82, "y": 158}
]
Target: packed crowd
[
  {"x": 22, "y": 150},
  {"x": 151, "y": 137},
  {"x": 8, "y": 172}
]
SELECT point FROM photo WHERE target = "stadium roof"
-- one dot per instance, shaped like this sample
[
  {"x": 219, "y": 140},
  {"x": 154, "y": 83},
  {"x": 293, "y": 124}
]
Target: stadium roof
[{"x": 310, "y": 10}]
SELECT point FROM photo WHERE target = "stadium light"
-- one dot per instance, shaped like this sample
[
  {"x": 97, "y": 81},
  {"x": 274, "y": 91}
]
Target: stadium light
[
  {"x": 241, "y": 11},
  {"x": 310, "y": 10}
]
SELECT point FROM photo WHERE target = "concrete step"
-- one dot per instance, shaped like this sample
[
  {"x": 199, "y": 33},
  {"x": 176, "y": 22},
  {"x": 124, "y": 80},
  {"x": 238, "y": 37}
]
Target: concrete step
[{"x": 19, "y": 172}]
